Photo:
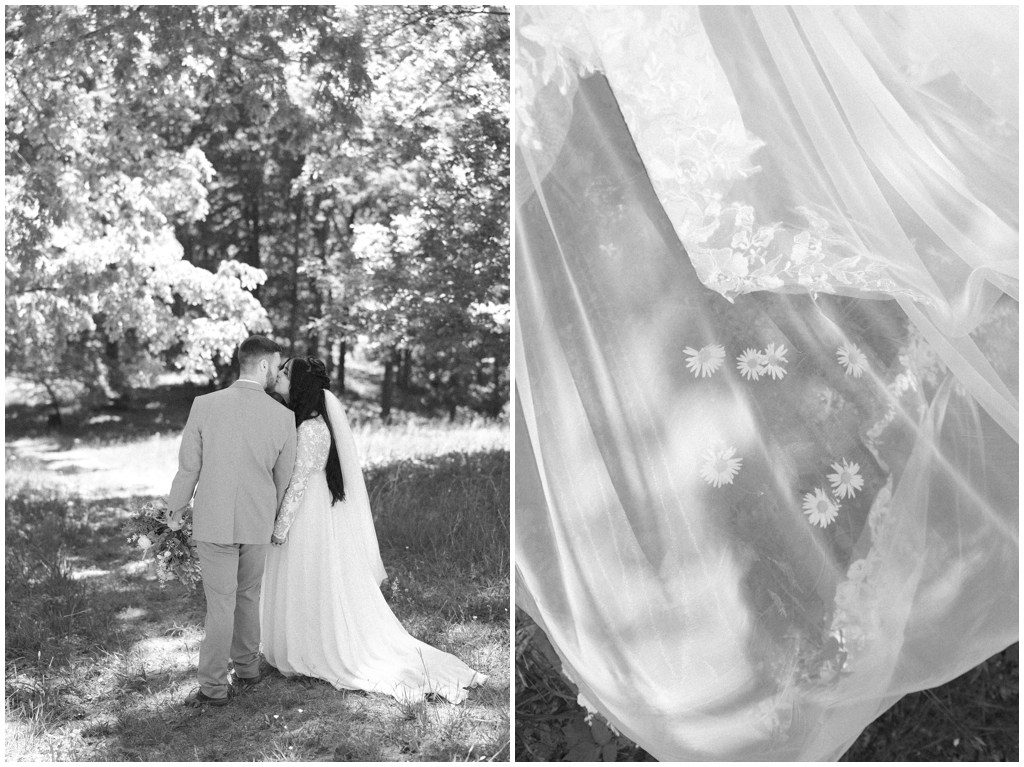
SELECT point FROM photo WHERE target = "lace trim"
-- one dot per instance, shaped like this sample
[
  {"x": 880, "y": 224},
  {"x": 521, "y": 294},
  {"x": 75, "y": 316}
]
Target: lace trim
[
  {"x": 732, "y": 257},
  {"x": 690, "y": 134}
]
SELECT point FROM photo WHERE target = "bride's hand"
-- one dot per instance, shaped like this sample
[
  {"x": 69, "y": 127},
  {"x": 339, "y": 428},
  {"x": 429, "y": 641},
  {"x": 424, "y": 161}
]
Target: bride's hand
[{"x": 278, "y": 541}]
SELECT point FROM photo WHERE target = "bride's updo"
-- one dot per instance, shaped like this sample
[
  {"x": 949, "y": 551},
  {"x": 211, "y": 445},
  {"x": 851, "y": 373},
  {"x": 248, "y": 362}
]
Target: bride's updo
[{"x": 308, "y": 380}]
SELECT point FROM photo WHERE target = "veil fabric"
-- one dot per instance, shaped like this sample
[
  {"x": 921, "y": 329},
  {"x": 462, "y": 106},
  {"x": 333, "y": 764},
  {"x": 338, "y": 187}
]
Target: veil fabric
[
  {"x": 358, "y": 521},
  {"x": 766, "y": 362}
]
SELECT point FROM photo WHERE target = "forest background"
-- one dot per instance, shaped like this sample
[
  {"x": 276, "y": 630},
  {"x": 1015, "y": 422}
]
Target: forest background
[{"x": 178, "y": 177}]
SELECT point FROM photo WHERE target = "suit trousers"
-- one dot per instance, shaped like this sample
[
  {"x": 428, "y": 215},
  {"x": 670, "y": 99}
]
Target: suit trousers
[{"x": 232, "y": 574}]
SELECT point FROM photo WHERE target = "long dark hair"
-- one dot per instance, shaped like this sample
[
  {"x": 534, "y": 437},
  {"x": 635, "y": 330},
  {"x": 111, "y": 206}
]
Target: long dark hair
[{"x": 308, "y": 380}]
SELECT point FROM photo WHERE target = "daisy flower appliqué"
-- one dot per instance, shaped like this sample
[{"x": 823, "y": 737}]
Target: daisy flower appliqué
[
  {"x": 720, "y": 467},
  {"x": 706, "y": 361},
  {"x": 846, "y": 481},
  {"x": 819, "y": 508},
  {"x": 751, "y": 364},
  {"x": 773, "y": 359},
  {"x": 852, "y": 359}
]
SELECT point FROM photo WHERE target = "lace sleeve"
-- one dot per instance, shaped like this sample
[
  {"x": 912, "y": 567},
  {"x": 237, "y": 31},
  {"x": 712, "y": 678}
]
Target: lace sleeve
[{"x": 314, "y": 442}]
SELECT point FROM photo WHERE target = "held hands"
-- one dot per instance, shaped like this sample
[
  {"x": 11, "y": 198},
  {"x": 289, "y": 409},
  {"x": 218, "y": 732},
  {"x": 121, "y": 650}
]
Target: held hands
[{"x": 277, "y": 541}]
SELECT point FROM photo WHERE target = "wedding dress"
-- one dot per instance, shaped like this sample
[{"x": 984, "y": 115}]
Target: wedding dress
[
  {"x": 766, "y": 362},
  {"x": 322, "y": 611}
]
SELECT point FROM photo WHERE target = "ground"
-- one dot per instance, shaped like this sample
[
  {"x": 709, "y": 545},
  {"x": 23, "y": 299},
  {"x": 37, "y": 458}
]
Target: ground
[
  {"x": 100, "y": 656},
  {"x": 973, "y": 718}
]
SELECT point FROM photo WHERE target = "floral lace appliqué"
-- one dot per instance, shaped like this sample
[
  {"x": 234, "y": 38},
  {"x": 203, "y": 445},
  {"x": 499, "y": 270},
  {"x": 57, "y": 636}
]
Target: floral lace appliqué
[
  {"x": 687, "y": 127},
  {"x": 314, "y": 443}
]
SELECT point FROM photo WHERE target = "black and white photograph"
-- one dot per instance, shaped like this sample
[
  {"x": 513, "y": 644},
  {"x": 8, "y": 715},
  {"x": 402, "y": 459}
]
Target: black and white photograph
[
  {"x": 258, "y": 372},
  {"x": 766, "y": 291}
]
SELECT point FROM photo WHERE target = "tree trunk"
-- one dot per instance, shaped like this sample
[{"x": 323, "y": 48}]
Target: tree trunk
[
  {"x": 319, "y": 223},
  {"x": 117, "y": 381},
  {"x": 342, "y": 349},
  {"x": 293, "y": 325},
  {"x": 497, "y": 401},
  {"x": 387, "y": 388},
  {"x": 405, "y": 370},
  {"x": 453, "y": 397},
  {"x": 255, "y": 225},
  {"x": 57, "y": 419}
]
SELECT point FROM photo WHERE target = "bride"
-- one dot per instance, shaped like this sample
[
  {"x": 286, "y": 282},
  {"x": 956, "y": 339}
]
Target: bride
[{"x": 322, "y": 611}]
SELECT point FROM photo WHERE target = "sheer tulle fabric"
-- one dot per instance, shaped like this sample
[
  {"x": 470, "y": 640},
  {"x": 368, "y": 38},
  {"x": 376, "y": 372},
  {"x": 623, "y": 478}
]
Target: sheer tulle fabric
[
  {"x": 766, "y": 281},
  {"x": 322, "y": 611}
]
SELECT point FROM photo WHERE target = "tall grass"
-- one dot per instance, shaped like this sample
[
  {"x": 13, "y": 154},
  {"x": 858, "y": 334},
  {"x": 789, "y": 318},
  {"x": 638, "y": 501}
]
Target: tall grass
[
  {"x": 450, "y": 508},
  {"x": 43, "y": 602}
]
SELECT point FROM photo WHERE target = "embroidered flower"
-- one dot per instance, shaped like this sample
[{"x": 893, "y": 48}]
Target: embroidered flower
[
  {"x": 706, "y": 361},
  {"x": 751, "y": 364},
  {"x": 804, "y": 247},
  {"x": 852, "y": 358},
  {"x": 720, "y": 467},
  {"x": 819, "y": 508},
  {"x": 764, "y": 236},
  {"x": 730, "y": 263},
  {"x": 745, "y": 216},
  {"x": 846, "y": 481},
  {"x": 773, "y": 359}
]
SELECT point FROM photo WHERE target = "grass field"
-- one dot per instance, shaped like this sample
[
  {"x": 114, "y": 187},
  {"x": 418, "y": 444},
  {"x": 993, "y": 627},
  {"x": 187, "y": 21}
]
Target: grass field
[
  {"x": 972, "y": 718},
  {"x": 99, "y": 656}
]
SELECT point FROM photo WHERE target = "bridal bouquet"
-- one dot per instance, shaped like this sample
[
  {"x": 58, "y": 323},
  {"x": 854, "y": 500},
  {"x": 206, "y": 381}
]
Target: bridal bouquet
[{"x": 173, "y": 550}]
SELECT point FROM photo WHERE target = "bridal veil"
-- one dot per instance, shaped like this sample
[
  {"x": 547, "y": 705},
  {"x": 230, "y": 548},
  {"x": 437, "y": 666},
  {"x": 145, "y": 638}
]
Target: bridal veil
[
  {"x": 766, "y": 362},
  {"x": 357, "y": 523}
]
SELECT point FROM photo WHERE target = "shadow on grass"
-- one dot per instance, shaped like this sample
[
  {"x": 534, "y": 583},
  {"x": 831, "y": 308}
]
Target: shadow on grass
[
  {"x": 100, "y": 656},
  {"x": 159, "y": 410},
  {"x": 164, "y": 409}
]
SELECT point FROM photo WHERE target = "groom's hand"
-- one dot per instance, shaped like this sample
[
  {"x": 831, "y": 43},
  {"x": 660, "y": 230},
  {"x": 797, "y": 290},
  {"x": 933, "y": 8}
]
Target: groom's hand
[{"x": 176, "y": 520}]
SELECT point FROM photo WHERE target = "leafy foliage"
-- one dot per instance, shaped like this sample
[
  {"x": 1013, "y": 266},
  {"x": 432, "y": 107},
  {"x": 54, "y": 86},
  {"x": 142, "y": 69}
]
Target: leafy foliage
[
  {"x": 97, "y": 289},
  {"x": 178, "y": 177},
  {"x": 424, "y": 188}
]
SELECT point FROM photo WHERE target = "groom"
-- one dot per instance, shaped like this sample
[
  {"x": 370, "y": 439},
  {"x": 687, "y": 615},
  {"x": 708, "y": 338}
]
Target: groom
[{"x": 237, "y": 455}]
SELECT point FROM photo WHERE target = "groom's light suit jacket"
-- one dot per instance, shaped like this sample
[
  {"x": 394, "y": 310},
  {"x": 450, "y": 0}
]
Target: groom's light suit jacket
[{"x": 237, "y": 454}]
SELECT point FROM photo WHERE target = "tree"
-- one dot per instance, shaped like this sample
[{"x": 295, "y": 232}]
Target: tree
[
  {"x": 426, "y": 197},
  {"x": 273, "y": 143},
  {"x": 106, "y": 105}
]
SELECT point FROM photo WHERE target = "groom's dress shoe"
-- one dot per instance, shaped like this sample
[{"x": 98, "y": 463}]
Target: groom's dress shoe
[
  {"x": 198, "y": 698},
  {"x": 245, "y": 682}
]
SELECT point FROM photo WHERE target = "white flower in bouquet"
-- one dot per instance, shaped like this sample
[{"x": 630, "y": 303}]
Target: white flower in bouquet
[{"x": 144, "y": 542}]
